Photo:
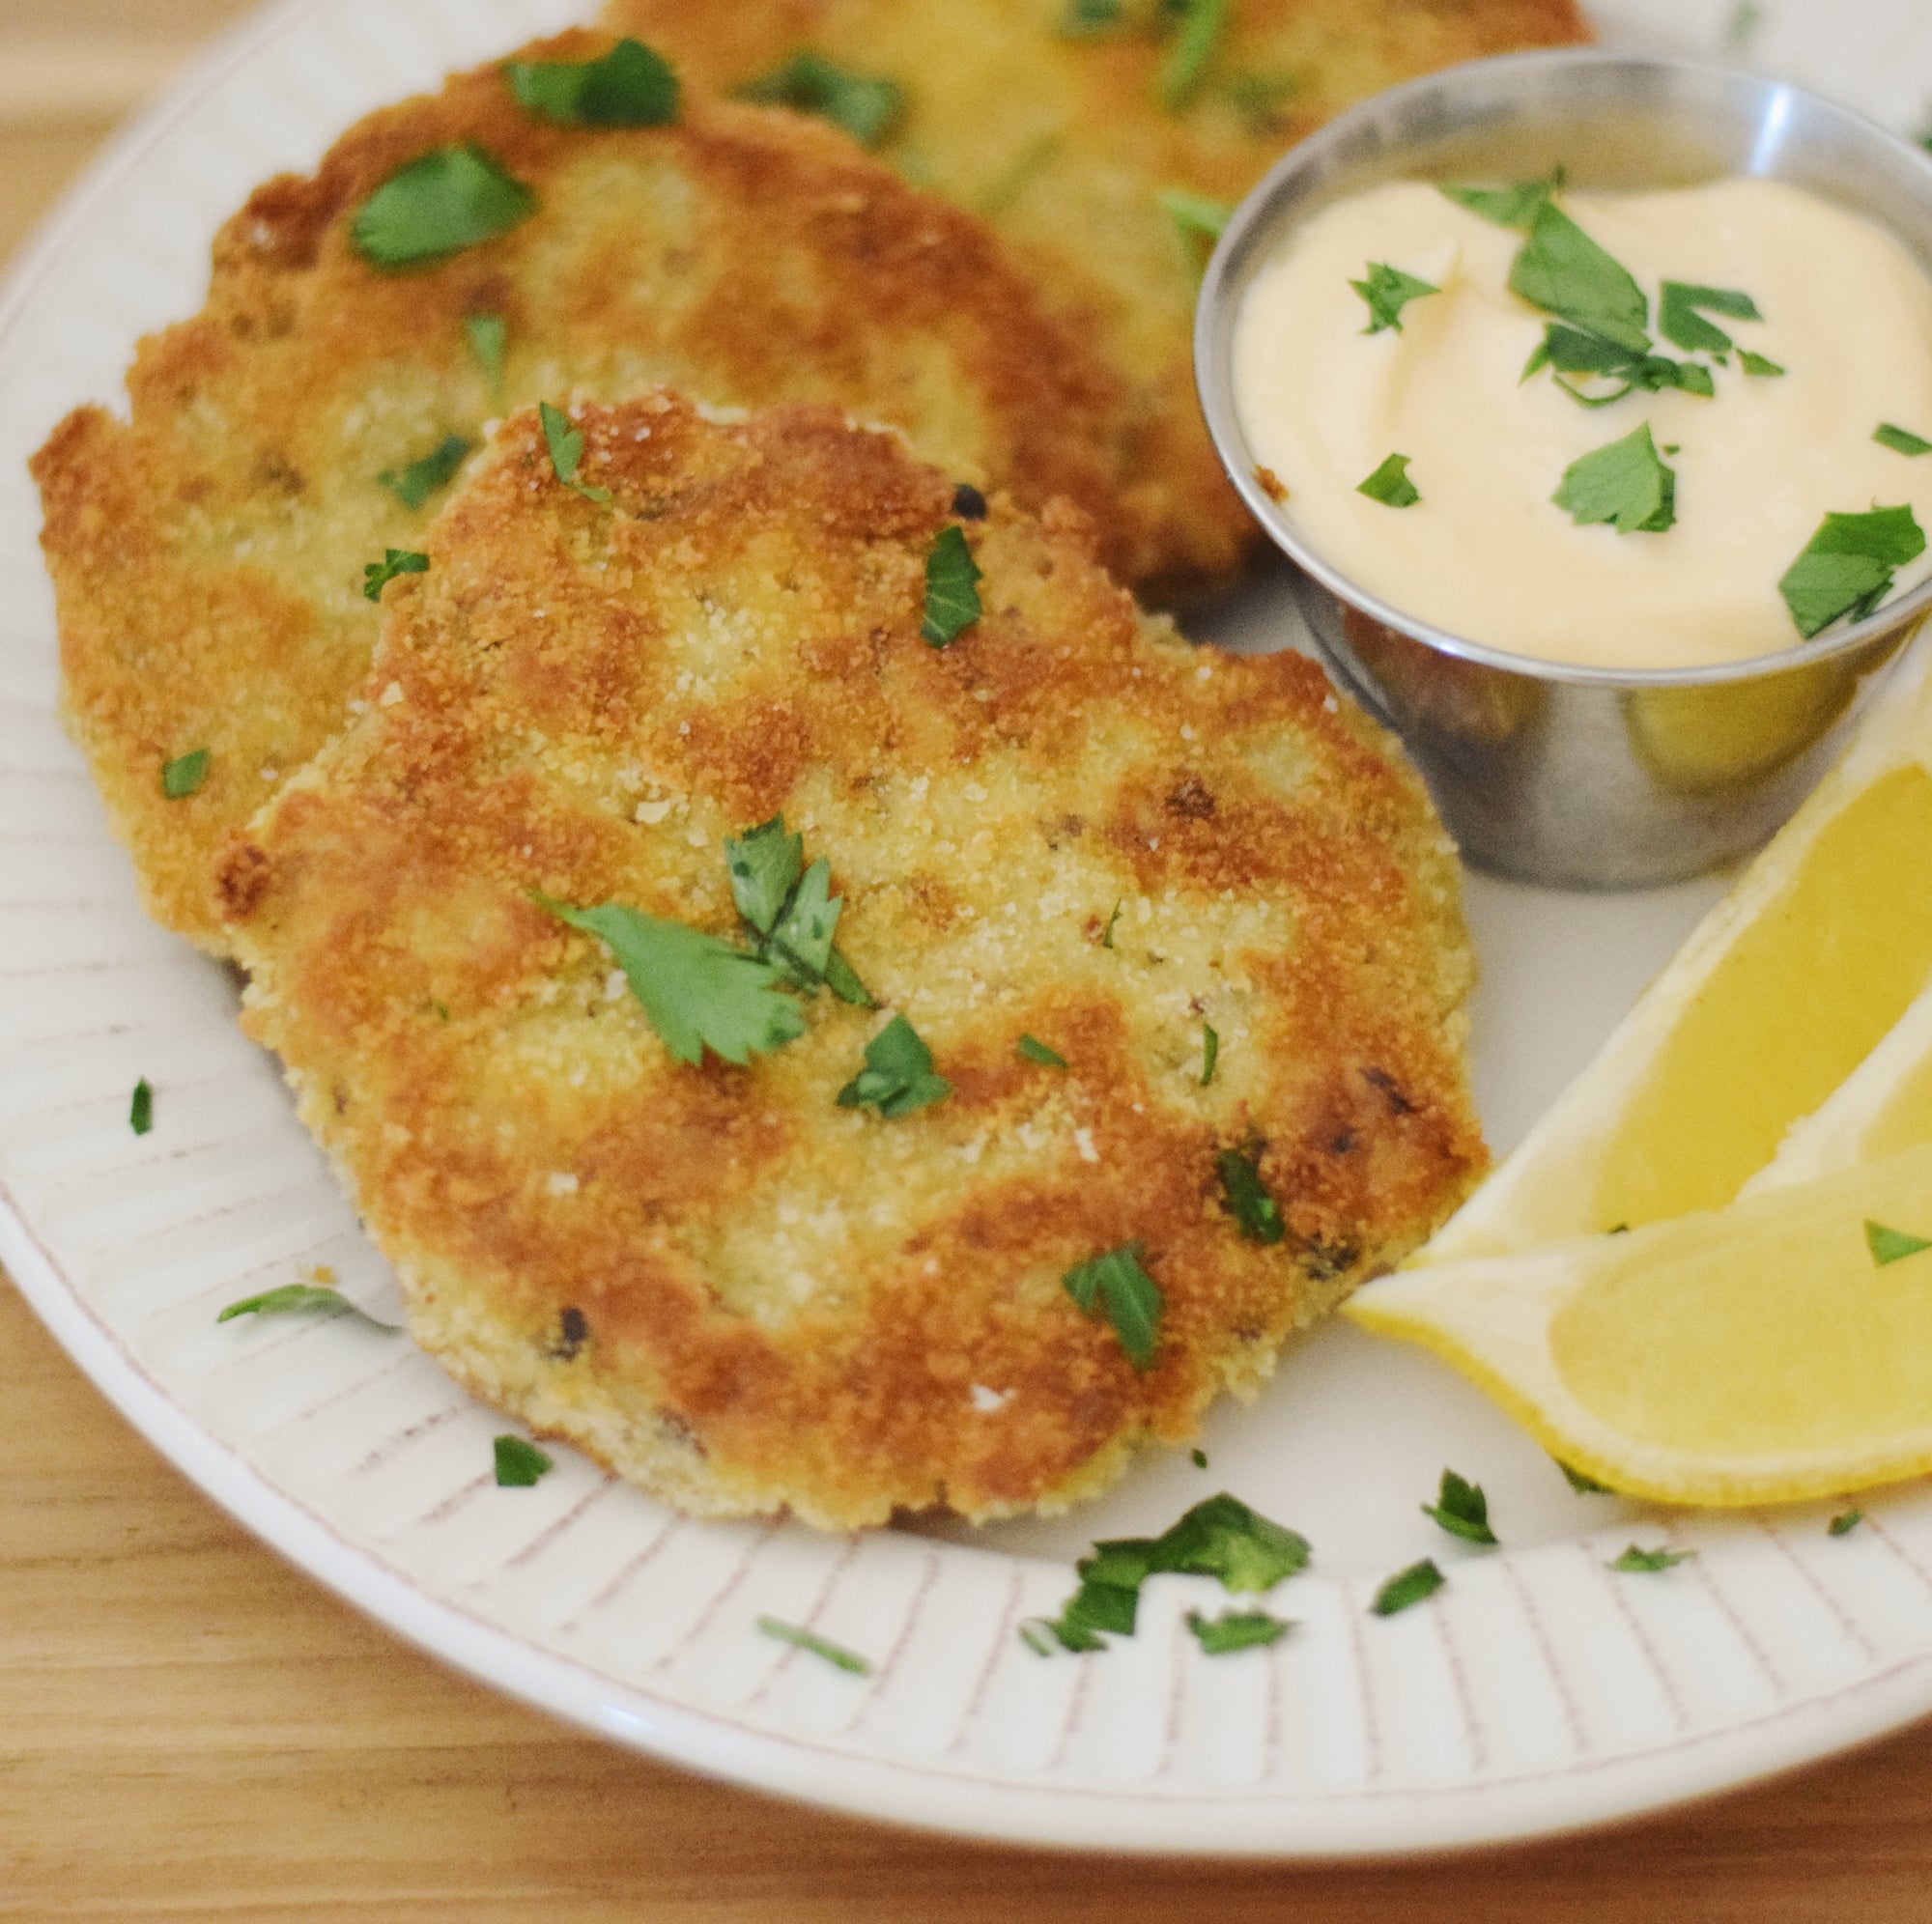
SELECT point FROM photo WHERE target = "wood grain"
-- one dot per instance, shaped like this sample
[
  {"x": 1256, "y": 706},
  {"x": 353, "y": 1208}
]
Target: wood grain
[{"x": 191, "y": 1731}]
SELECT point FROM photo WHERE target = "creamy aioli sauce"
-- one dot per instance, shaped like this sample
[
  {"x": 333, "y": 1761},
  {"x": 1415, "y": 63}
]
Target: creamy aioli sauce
[{"x": 1486, "y": 553}]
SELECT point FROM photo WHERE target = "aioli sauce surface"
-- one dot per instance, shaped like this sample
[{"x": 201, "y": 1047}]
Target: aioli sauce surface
[{"x": 1486, "y": 553}]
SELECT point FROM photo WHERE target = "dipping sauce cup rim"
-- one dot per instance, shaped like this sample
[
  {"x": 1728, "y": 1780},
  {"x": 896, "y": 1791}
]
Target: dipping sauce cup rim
[{"x": 1258, "y": 224}]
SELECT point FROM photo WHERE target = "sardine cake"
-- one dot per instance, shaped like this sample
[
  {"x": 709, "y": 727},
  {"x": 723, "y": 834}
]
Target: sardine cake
[
  {"x": 1072, "y": 124},
  {"x": 209, "y": 552},
  {"x": 1163, "y": 947}
]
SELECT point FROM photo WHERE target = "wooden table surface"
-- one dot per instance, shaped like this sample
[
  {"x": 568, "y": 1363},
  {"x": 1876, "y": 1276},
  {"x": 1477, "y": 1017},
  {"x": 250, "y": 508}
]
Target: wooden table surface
[{"x": 191, "y": 1730}]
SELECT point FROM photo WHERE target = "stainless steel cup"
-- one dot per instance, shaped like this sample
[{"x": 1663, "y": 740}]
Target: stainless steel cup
[{"x": 1569, "y": 776}]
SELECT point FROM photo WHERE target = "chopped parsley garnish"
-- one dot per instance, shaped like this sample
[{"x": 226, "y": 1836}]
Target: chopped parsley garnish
[
  {"x": 439, "y": 204},
  {"x": 1220, "y": 1537},
  {"x": 518, "y": 1464},
  {"x": 378, "y": 574},
  {"x": 414, "y": 484},
  {"x": 1583, "y": 1485},
  {"x": 1259, "y": 97},
  {"x": 836, "y": 1655},
  {"x": 1509, "y": 206},
  {"x": 1198, "y": 1457},
  {"x": 1018, "y": 174},
  {"x": 697, "y": 991},
  {"x": 1236, "y": 1629},
  {"x": 630, "y": 86},
  {"x": 1256, "y": 1213},
  {"x": 1202, "y": 24},
  {"x": 1390, "y": 484},
  {"x": 566, "y": 452},
  {"x": 296, "y": 1299},
  {"x": 488, "y": 335},
  {"x": 1463, "y": 1510},
  {"x": 1036, "y": 1050},
  {"x": 1090, "y": 17},
  {"x": 1746, "y": 20},
  {"x": 1901, "y": 441},
  {"x": 1892, "y": 1245},
  {"x": 1407, "y": 1586},
  {"x": 1107, "y": 933},
  {"x": 1197, "y": 220},
  {"x": 1635, "y": 1559},
  {"x": 865, "y": 106},
  {"x": 186, "y": 775},
  {"x": 1560, "y": 270},
  {"x": 897, "y": 1077},
  {"x": 952, "y": 589},
  {"x": 1114, "y": 1285},
  {"x": 1846, "y": 568},
  {"x": 1210, "y": 1053},
  {"x": 1388, "y": 291},
  {"x": 1681, "y": 322},
  {"x": 1756, "y": 364},
  {"x": 790, "y": 908},
  {"x": 141, "y": 1108},
  {"x": 1626, "y": 484},
  {"x": 1845, "y": 1523}
]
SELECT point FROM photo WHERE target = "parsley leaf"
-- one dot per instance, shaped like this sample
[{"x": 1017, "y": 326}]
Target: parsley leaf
[
  {"x": 1901, "y": 441},
  {"x": 1583, "y": 1485},
  {"x": 296, "y": 1298},
  {"x": 1220, "y": 1537},
  {"x": 1256, "y": 1213},
  {"x": 1756, "y": 364},
  {"x": 1114, "y": 1284},
  {"x": 1107, "y": 933},
  {"x": 1407, "y": 1586},
  {"x": 439, "y": 204},
  {"x": 1083, "y": 17},
  {"x": 414, "y": 484},
  {"x": 1198, "y": 1457},
  {"x": 1846, "y": 568},
  {"x": 488, "y": 337},
  {"x": 1509, "y": 206},
  {"x": 378, "y": 574},
  {"x": 186, "y": 775},
  {"x": 897, "y": 1077},
  {"x": 630, "y": 86},
  {"x": 1635, "y": 1559},
  {"x": 1845, "y": 1523},
  {"x": 566, "y": 452},
  {"x": 952, "y": 589},
  {"x": 1210, "y": 1053},
  {"x": 765, "y": 865},
  {"x": 1463, "y": 1510},
  {"x": 1388, "y": 291},
  {"x": 1892, "y": 1245},
  {"x": 697, "y": 991},
  {"x": 1572, "y": 350},
  {"x": 1035, "y": 1050},
  {"x": 836, "y": 1655},
  {"x": 1680, "y": 323},
  {"x": 1202, "y": 22},
  {"x": 1197, "y": 221},
  {"x": 1236, "y": 1629},
  {"x": 518, "y": 1464},
  {"x": 141, "y": 1108},
  {"x": 788, "y": 908},
  {"x": 865, "y": 106},
  {"x": 1625, "y": 483},
  {"x": 1560, "y": 270},
  {"x": 1390, "y": 484},
  {"x": 801, "y": 943}
]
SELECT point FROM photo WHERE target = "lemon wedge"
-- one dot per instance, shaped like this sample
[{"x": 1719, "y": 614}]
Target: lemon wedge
[
  {"x": 1775, "y": 1349},
  {"x": 1781, "y": 992},
  {"x": 1885, "y": 1105}
]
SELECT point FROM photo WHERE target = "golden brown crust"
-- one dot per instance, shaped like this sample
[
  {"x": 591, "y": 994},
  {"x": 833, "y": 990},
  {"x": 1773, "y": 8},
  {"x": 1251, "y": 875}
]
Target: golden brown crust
[
  {"x": 716, "y": 1279},
  {"x": 208, "y": 553},
  {"x": 1061, "y": 142}
]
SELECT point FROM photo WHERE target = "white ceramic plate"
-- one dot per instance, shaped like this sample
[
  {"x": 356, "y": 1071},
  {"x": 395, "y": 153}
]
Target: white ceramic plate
[{"x": 1537, "y": 1691}]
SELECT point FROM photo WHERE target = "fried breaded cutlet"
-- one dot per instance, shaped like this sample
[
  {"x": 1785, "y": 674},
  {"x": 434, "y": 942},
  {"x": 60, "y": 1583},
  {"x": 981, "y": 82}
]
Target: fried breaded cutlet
[
  {"x": 209, "y": 552},
  {"x": 1065, "y": 123},
  {"x": 1065, "y": 847}
]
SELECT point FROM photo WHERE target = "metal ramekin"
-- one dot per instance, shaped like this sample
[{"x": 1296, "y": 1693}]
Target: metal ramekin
[{"x": 1573, "y": 777}]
